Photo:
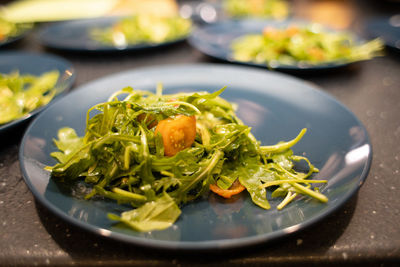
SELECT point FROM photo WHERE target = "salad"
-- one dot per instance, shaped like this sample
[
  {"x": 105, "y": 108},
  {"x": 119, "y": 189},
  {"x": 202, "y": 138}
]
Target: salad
[
  {"x": 156, "y": 152},
  {"x": 9, "y": 29},
  {"x": 21, "y": 94},
  {"x": 276, "y": 9},
  {"x": 307, "y": 45},
  {"x": 142, "y": 29}
]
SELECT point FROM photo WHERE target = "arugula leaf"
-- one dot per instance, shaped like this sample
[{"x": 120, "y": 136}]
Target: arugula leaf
[
  {"x": 68, "y": 142},
  {"x": 155, "y": 215},
  {"x": 21, "y": 94},
  {"x": 250, "y": 177}
]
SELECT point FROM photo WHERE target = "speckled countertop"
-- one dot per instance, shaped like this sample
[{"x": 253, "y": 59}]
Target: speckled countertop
[{"x": 364, "y": 231}]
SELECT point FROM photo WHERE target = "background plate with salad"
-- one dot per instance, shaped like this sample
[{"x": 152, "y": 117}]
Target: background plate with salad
[
  {"x": 241, "y": 41},
  {"x": 99, "y": 35},
  {"x": 11, "y": 32},
  {"x": 35, "y": 65}
]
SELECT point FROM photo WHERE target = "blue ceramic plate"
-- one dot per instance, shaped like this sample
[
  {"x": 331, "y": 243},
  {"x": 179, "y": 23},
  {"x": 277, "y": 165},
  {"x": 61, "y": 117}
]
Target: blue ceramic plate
[
  {"x": 74, "y": 36},
  {"x": 10, "y": 40},
  {"x": 276, "y": 106},
  {"x": 215, "y": 40},
  {"x": 36, "y": 64},
  {"x": 387, "y": 28}
]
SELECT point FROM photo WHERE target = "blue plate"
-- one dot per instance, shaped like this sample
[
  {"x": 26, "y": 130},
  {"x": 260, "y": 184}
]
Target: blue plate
[
  {"x": 215, "y": 40},
  {"x": 74, "y": 36},
  {"x": 387, "y": 28},
  {"x": 276, "y": 106},
  {"x": 13, "y": 39},
  {"x": 36, "y": 64}
]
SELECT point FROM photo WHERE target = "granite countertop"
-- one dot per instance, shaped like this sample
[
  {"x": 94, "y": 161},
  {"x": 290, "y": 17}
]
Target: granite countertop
[{"x": 363, "y": 231}]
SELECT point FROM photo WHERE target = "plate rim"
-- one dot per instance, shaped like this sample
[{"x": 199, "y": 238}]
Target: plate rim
[
  {"x": 222, "y": 244},
  {"x": 371, "y": 30}
]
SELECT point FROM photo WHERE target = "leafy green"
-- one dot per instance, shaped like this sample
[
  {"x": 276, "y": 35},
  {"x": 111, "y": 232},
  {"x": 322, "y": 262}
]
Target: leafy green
[
  {"x": 10, "y": 29},
  {"x": 142, "y": 28},
  {"x": 306, "y": 45},
  {"x": 68, "y": 142},
  {"x": 121, "y": 156},
  {"x": 21, "y": 94},
  {"x": 277, "y": 9},
  {"x": 154, "y": 215}
]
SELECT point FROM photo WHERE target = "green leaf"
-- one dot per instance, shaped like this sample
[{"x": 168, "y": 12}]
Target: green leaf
[
  {"x": 225, "y": 182},
  {"x": 68, "y": 142},
  {"x": 20, "y": 94},
  {"x": 75, "y": 157},
  {"x": 283, "y": 159},
  {"x": 166, "y": 183},
  {"x": 250, "y": 177},
  {"x": 203, "y": 177},
  {"x": 75, "y": 165},
  {"x": 155, "y": 215}
]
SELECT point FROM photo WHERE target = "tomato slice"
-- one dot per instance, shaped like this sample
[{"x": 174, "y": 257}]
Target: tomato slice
[
  {"x": 177, "y": 133},
  {"x": 235, "y": 189}
]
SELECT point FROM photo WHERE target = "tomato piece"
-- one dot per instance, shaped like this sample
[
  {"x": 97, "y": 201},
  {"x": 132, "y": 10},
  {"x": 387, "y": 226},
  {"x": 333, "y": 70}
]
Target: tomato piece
[
  {"x": 235, "y": 189},
  {"x": 316, "y": 53},
  {"x": 292, "y": 30},
  {"x": 177, "y": 133}
]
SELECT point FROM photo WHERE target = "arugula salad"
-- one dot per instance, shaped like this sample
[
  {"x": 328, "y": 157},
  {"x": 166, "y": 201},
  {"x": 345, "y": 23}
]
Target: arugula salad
[
  {"x": 276, "y": 9},
  {"x": 154, "y": 152},
  {"x": 142, "y": 28},
  {"x": 21, "y": 94},
  {"x": 309, "y": 45},
  {"x": 10, "y": 29}
]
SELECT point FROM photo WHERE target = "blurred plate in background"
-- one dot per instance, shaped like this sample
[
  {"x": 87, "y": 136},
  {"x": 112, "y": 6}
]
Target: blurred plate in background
[
  {"x": 11, "y": 32},
  {"x": 215, "y": 40},
  {"x": 386, "y": 28},
  {"x": 75, "y": 36},
  {"x": 36, "y": 64}
]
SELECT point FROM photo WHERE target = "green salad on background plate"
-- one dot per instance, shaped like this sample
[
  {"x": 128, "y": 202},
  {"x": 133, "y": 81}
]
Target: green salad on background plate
[
  {"x": 29, "y": 82},
  {"x": 116, "y": 33},
  {"x": 142, "y": 29},
  {"x": 305, "y": 44},
  {"x": 276, "y": 9},
  {"x": 10, "y": 31},
  {"x": 21, "y": 94},
  {"x": 290, "y": 45}
]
